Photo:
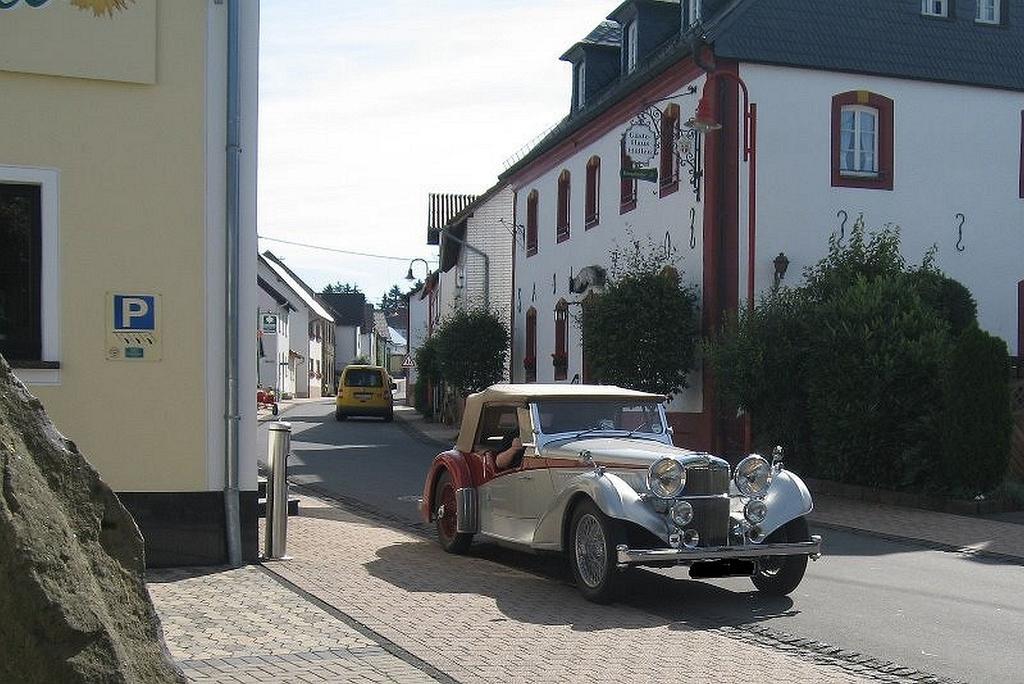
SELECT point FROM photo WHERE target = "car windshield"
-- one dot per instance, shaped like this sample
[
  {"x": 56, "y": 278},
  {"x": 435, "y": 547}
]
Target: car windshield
[
  {"x": 599, "y": 416},
  {"x": 363, "y": 378}
]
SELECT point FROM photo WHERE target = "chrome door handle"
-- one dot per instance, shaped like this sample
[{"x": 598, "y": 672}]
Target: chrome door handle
[{"x": 525, "y": 477}]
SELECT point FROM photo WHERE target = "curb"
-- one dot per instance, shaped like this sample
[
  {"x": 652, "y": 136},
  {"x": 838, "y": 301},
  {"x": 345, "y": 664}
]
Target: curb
[
  {"x": 924, "y": 543},
  {"x": 408, "y": 425}
]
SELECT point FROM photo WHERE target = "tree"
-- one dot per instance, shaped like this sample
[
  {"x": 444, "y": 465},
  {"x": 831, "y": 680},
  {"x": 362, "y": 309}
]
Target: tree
[
  {"x": 642, "y": 331},
  {"x": 471, "y": 348},
  {"x": 341, "y": 288},
  {"x": 392, "y": 301}
]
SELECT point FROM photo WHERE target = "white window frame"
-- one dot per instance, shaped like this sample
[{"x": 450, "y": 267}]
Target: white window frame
[
  {"x": 48, "y": 181},
  {"x": 857, "y": 151},
  {"x": 988, "y": 5},
  {"x": 693, "y": 12},
  {"x": 935, "y": 8},
  {"x": 581, "y": 85},
  {"x": 632, "y": 37}
]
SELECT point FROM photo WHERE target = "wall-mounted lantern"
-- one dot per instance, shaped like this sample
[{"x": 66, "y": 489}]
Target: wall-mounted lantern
[{"x": 781, "y": 266}]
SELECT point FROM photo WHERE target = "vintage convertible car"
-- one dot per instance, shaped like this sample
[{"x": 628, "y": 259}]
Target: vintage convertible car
[{"x": 591, "y": 471}]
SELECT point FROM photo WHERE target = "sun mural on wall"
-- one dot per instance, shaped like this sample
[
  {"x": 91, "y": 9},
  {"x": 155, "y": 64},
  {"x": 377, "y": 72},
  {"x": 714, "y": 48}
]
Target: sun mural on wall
[{"x": 99, "y": 7}]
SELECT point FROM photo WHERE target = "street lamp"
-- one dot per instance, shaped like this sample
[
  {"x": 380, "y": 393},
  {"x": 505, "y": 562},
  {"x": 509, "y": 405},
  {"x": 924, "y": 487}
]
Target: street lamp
[{"x": 409, "y": 276}]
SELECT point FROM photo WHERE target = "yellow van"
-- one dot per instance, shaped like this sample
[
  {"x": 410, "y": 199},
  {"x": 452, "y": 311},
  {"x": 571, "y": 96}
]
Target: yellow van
[{"x": 365, "y": 391}]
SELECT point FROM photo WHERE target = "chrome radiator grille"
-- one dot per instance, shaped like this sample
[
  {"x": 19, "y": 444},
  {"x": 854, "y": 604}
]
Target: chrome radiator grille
[
  {"x": 704, "y": 480},
  {"x": 711, "y": 520}
]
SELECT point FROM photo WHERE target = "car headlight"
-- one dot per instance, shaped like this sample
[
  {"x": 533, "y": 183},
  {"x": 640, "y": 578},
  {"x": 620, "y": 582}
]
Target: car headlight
[
  {"x": 755, "y": 511},
  {"x": 682, "y": 513},
  {"x": 666, "y": 478},
  {"x": 753, "y": 476}
]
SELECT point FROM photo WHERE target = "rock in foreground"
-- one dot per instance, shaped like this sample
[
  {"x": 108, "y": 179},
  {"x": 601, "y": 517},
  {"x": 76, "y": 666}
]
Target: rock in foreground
[{"x": 73, "y": 603}]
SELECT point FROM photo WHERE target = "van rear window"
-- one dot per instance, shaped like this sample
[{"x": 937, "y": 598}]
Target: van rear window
[{"x": 363, "y": 378}]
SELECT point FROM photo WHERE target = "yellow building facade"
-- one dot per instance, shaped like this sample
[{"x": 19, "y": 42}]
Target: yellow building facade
[{"x": 113, "y": 164}]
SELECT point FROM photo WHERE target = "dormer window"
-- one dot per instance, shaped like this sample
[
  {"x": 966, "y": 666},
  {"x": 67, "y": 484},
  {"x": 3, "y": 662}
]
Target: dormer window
[
  {"x": 631, "y": 35},
  {"x": 692, "y": 12},
  {"x": 581, "y": 85},
  {"x": 988, "y": 12},
  {"x": 935, "y": 8}
]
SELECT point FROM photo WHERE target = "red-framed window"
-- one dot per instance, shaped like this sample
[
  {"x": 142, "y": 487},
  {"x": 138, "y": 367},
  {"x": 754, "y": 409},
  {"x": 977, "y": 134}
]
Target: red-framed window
[
  {"x": 560, "y": 359},
  {"x": 627, "y": 186},
  {"x": 564, "y": 206},
  {"x": 530, "y": 358},
  {"x": 668, "y": 173},
  {"x": 532, "y": 201},
  {"x": 593, "y": 199},
  {"x": 862, "y": 140}
]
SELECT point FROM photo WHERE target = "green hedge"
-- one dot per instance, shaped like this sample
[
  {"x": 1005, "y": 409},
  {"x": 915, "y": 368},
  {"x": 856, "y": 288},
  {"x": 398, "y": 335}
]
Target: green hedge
[
  {"x": 977, "y": 423},
  {"x": 873, "y": 373}
]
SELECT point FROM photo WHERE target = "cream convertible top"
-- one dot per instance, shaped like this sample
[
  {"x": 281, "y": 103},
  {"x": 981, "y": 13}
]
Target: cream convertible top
[{"x": 521, "y": 394}]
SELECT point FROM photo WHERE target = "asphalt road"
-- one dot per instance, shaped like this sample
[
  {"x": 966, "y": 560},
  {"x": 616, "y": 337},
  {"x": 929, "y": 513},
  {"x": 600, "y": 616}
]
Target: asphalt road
[{"x": 941, "y": 613}]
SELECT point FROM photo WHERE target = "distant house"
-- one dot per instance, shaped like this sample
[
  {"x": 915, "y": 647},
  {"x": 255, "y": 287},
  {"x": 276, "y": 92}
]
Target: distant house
[
  {"x": 314, "y": 350},
  {"x": 348, "y": 309},
  {"x": 475, "y": 245},
  {"x": 277, "y": 367}
]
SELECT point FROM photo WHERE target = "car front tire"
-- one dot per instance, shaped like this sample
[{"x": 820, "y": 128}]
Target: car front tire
[
  {"x": 445, "y": 517},
  {"x": 593, "y": 537},
  {"x": 780, "y": 575},
  {"x": 339, "y": 416}
]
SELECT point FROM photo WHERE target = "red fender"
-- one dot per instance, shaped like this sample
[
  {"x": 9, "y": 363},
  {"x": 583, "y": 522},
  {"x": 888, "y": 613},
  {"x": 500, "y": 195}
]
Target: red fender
[{"x": 456, "y": 464}]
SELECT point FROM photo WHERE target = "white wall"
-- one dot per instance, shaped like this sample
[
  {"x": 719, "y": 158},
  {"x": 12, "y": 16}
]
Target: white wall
[
  {"x": 956, "y": 149},
  {"x": 346, "y": 345},
  {"x": 417, "y": 329},
  {"x": 489, "y": 229},
  {"x": 548, "y": 271}
]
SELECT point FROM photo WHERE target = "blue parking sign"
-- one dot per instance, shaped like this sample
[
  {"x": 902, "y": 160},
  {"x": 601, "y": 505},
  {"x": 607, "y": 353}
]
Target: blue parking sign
[{"x": 135, "y": 312}]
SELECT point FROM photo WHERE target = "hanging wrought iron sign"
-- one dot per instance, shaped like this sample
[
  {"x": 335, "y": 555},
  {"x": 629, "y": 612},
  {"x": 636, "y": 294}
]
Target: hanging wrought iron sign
[
  {"x": 688, "y": 153},
  {"x": 642, "y": 144}
]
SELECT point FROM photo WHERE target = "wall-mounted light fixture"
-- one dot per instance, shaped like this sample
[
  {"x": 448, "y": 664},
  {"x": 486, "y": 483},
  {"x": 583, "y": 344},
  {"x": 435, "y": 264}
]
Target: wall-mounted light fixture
[{"x": 781, "y": 266}]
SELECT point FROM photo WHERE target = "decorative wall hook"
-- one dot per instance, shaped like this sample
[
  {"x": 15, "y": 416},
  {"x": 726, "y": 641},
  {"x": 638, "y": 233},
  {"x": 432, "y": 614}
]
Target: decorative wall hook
[
  {"x": 554, "y": 283},
  {"x": 842, "y": 226},
  {"x": 667, "y": 244},
  {"x": 533, "y": 297},
  {"x": 693, "y": 221},
  {"x": 960, "y": 231}
]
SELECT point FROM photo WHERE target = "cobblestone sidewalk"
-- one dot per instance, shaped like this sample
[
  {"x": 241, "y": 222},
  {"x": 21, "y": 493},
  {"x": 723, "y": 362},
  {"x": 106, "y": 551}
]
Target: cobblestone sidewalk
[
  {"x": 244, "y": 626},
  {"x": 364, "y": 603}
]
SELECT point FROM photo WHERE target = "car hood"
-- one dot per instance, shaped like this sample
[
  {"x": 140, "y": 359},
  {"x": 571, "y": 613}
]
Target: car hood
[{"x": 626, "y": 452}]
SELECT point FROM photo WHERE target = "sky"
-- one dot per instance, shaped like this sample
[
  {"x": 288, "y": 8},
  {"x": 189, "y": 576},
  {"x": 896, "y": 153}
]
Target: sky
[{"x": 368, "y": 106}]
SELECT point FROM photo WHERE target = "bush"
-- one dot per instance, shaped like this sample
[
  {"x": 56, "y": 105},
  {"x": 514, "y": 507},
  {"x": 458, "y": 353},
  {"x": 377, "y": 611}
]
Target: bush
[
  {"x": 872, "y": 373},
  {"x": 761, "y": 361},
  {"x": 873, "y": 380},
  {"x": 641, "y": 332},
  {"x": 977, "y": 424},
  {"x": 471, "y": 350}
]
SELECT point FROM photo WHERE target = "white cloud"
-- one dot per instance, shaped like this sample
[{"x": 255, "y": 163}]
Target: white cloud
[{"x": 365, "y": 107}]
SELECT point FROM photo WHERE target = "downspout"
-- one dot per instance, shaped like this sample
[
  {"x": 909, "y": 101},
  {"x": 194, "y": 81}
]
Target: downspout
[
  {"x": 232, "y": 522},
  {"x": 487, "y": 265}
]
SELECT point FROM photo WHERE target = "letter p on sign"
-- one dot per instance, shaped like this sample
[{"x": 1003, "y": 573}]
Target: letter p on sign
[{"x": 134, "y": 312}]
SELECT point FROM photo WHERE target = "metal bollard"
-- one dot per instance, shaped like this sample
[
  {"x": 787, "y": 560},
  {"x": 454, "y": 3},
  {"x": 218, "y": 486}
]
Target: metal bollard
[{"x": 279, "y": 445}]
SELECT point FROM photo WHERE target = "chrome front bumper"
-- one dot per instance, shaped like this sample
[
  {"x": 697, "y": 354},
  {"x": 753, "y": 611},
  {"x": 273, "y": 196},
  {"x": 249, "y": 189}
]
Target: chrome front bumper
[{"x": 628, "y": 556}]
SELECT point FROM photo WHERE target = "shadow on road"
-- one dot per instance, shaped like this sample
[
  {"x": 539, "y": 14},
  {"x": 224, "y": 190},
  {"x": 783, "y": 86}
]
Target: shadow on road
[{"x": 536, "y": 589}]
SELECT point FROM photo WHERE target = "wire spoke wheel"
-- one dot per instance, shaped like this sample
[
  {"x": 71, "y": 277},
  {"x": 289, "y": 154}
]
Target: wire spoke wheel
[{"x": 591, "y": 551}]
